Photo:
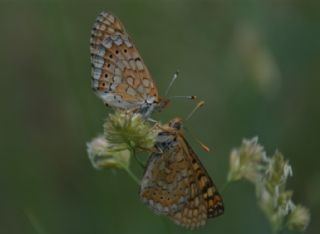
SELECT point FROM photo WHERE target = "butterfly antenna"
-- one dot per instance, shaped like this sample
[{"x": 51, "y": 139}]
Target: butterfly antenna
[
  {"x": 199, "y": 104},
  {"x": 187, "y": 97},
  {"x": 175, "y": 76},
  {"x": 203, "y": 146}
]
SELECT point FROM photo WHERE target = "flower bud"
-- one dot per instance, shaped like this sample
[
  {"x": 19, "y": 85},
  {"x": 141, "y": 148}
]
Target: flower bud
[{"x": 127, "y": 130}]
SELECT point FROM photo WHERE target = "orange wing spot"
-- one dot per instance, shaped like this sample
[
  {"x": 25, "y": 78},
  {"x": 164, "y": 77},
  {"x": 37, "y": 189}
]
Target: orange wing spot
[
  {"x": 216, "y": 199},
  {"x": 203, "y": 181},
  {"x": 196, "y": 166},
  {"x": 210, "y": 192},
  {"x": 211, "y": 203}
]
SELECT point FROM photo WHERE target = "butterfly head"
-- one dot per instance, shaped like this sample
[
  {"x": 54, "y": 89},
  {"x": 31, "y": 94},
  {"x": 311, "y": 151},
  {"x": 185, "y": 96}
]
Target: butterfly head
[{"x": 176, "y": 123}]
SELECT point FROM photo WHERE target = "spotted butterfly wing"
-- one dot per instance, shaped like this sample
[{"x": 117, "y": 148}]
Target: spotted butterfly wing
[
  {"x": 119, "y": 76},
  {"x": 176, "y": 184}
]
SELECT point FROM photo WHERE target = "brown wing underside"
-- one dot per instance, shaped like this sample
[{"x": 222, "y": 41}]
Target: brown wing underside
[
  {"x": 117, "y": 66},
  {"x": 213, "y": 199},
  {"x": 176, "y": 184}
]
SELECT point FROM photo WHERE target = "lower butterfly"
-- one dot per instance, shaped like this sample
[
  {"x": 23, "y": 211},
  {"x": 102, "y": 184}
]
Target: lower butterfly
[
  {"x": 119, "y": 75},
  {"x": 175, "y": 182}
]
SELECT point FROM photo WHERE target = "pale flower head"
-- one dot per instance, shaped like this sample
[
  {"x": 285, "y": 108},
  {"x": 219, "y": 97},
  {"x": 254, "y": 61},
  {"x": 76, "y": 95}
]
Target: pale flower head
[
  {"x": 269, "y": 175},
  {"x": 123, "y": 132},
  {"x": 299, "y": 218},
  {"x": 102, "y": 156},
  {"x": 128, "y": 130},
  {"x": 278, "y": 170},
  {"x": 247, "y": 161}
]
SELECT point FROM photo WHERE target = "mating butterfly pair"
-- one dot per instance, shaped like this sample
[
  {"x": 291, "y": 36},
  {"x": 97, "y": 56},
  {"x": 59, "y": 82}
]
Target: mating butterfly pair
[{"x": 175, "y": 182}]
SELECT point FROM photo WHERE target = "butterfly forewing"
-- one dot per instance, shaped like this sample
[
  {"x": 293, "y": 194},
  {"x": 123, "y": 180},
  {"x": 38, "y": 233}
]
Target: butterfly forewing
[
  {"x": 119, "y": 76},
  {"x": 176, "y": 184},
  {"x": 211, "y": 196}
]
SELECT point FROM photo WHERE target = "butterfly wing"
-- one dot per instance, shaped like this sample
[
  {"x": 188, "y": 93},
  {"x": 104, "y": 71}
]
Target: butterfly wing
[
  {"x": 177, "y": 185},
  {"x": 119, "y": 76},
  {"x": 213, "y": 200},
  {"x": 164, "y": 186}
]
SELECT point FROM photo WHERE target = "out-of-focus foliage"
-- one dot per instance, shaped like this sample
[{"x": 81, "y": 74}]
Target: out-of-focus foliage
[
  {"x": 269, "y": 175},
  {"x": 255, "y": 63}
]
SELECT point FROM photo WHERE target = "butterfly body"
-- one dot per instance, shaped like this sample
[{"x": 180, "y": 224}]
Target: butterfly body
[
  {"x": 119, "y": 75},
  {"x": 175, "y": 182}
]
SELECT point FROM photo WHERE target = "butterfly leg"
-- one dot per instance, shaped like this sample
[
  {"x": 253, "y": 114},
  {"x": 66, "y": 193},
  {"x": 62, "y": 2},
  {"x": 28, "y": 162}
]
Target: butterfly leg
[{"x": 152, "y": 120}]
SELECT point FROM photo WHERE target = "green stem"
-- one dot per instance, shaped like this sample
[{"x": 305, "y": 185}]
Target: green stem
[
  {"x": 35, "y": 223},
  {"x": 133, "y": 152},
  {"x": 274, "y": 231},
  {"x": 225, "y": 186},
  {"x": 132, "y": 175}
]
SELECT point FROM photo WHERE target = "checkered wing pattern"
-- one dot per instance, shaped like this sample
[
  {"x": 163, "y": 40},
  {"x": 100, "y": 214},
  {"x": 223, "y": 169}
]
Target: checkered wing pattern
[
  {"x": 177, "y": 185},
  {"x": 119, "y": 76}
]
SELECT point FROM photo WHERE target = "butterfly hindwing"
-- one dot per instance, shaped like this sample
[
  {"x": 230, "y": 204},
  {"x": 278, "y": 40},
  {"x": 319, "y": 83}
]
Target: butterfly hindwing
[
  {"x": 164, "y": 186},
  {"x": 176, "y": 184}
]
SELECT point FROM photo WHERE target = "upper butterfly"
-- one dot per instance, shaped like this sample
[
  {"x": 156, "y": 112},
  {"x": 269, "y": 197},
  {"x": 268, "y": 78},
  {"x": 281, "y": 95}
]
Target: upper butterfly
[
  {"x": 175, "y": 182},
  {"x": 119, "y": 76}
]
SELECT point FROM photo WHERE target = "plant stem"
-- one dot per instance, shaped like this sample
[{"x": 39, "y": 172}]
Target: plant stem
[
  {"x": 133, "y": 152},
  {"x": 225, "y": 186},
  {"x": 132, "y": 175},
  {"x": 35, "y": 223}
]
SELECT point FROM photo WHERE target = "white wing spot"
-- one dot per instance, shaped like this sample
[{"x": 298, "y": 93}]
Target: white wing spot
[
  {"x": 98, "y": 61},
  {"x": 96, "y": 73},
  {"x": 132, "y": 64},
  {"x": 110, "y": 18},
  {"x": 117, "y": 72},
  {"x": 104, "y": 14},
  {"x": 131, "y": 91},
  {"x": 130, "y": 81},
  {"x": 101, "y": 51},
  {"x": 139, "y": 65},
  {"x": 117, "y": 79},
  {"x": 146, "y": 82},
  {"x": 140, "y": 89},
  {"x": 107, "y": 43}
]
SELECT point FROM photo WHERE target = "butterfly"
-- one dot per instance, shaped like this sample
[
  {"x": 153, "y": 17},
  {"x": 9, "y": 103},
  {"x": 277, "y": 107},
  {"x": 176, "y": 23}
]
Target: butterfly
[
  {"x": 119, "y": 75},
  {"x": 175, "y": 182}
]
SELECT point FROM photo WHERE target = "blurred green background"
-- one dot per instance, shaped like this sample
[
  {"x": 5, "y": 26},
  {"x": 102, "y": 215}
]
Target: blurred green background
[{"x": 255, "y": 63}]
